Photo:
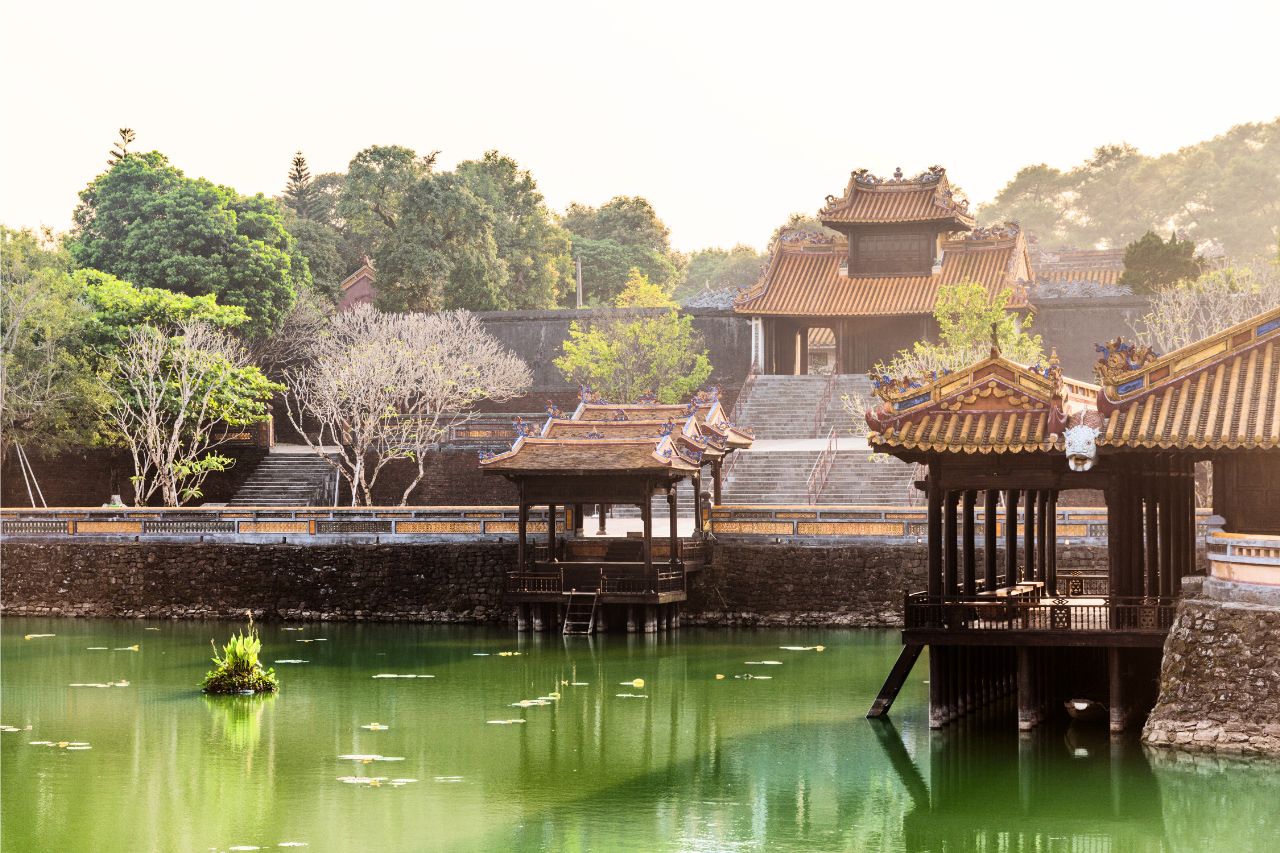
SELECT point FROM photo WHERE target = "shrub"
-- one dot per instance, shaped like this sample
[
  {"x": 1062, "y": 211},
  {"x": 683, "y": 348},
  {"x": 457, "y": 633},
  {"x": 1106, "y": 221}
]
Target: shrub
[{"x": 237, "y": 669}]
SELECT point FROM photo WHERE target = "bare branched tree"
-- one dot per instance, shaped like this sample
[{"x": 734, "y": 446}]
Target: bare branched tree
[
  {"x": 1189, "y": 311},
  {"x": 383, "y": 387},
  {"x": 174, "y": 400},
  {"x": 291, "y": 345}
]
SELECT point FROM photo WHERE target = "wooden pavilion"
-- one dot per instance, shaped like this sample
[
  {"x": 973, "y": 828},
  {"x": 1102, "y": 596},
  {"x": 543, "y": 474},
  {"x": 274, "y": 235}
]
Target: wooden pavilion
[
  {"x": 872, "y": 289},
  {"x": 1022, "y": 434},
  {"x": 993, "y": 436},
  {"x": 584, "y": 584}
]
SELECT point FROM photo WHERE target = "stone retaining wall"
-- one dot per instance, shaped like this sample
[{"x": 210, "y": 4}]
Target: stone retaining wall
[
  {"x": 854, "y": 585},
  {"x": 847, "y": 585},
  {"x": 1220, "y": 680},
  {"x": 427, "y": 582}
]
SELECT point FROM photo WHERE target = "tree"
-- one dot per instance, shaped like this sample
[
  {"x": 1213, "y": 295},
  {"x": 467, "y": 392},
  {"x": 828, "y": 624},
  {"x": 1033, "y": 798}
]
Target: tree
[
  {"x": 46, "y": 384},
  {"x": 967, "y": 321},
  {"x": 117, "y": 307},
  {"x": 174, "y": 399},
  {"x": 146, "y": 222},
  {"x": 717, "y": 269},
  {"x": 623, "y": 233},
  {"x": 1188, "y": 311},
  {"x": 534, "y": 249},
  {"x": 299, "y": 194},
  {"x": 121, "y": 148},
  {"x": 321, "y": 245},
  {"x": 384, "y": 387},
  {"x": 1224, "y": 190},
  {"x": 1151, "y": 264},
  {"x": 624, "y": 356}
]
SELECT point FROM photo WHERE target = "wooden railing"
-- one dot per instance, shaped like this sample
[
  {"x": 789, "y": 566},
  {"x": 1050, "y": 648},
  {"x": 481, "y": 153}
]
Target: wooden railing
[
  {"x": 805, "y": 521},
  {"x": 233, "y": 522},
  {"x": 1022, "y": 613},
  {"x": 821, "y": 469}
]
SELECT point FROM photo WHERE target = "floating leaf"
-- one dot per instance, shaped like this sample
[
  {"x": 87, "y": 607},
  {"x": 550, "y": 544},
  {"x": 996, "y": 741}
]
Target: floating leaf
[
  {"x": 803, "y": 648},
  {"x": 292, "y": 660},
  {"x": 503, "y": 722},
  {"x": 631, "y": 696},
  {"x": 480, "y": 654},
  {"x": 98, "y": 649},
  {"x": 245, "y": 847},
  {"x": 10, "y": 729},
  {"x": 292, "y": 844},
  {"x": 376, "y": 727},
  {"x": 448, "y": 778},
  {"x": 762, "y": 663},
  {"x": 151, "y": 629},
  {"x": 509, "y": 654},
  {"x": 719, "y": 676},
  {"x": 637, "y": 683},
  {"x": 394, "y": 675},
  {"x": 37, "y": 636},
  {"x": 293, "y": 629},
  {"x": 133, "y": 648}
]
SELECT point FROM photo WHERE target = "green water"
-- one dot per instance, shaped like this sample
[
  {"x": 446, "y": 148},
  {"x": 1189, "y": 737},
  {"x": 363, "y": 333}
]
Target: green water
[{"x": 785, "y": 763}]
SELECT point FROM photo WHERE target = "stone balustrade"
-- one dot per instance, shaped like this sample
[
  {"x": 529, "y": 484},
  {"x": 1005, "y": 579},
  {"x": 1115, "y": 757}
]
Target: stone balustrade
[{"x": 1245, "y": 558}]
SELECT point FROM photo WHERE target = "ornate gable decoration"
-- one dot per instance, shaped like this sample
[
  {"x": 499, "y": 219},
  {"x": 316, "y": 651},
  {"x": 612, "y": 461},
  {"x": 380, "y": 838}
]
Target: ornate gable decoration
[
  {"x": 1219, "y": 392},
  {"x": 993, "y": 406},
  {"x": 927, "y": 197}
]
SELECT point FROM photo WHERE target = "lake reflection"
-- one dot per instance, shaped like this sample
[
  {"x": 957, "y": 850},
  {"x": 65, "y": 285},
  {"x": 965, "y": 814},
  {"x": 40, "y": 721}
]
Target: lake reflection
[{"x": 685, "y": 762}]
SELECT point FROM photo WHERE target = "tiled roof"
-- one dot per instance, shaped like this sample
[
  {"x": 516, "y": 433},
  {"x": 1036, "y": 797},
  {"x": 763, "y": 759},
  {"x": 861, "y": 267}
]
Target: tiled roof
[
  {"x": 687, "y": 430},
  {"x": 871, "y": 200},
  {"x": 994, "y": 406},
  {"x": 630, "y": 412},
  {"x": 809, "y": 281},
  {"x": 1222, "y": 392},
  {"x": 590, "y": 455}
]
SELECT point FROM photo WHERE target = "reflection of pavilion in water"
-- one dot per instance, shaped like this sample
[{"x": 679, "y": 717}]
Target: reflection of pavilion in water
[{"x": 1110, "y": 803}]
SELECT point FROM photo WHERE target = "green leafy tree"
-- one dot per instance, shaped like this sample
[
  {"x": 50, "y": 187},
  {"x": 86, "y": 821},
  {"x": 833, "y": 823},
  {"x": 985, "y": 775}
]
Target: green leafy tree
[
  {"x": 46, "y": 383},
  {"x": 533, "y": 247},
  {"x": 717, "y": 269},
  {"x": 1225, "y": 190},
  {"x": 612, "y": 239},
  {"x": 146, "y": 222},
  {"x": 967, "y": 320},
  {"x": 624, "y": 355},
  {"x": 116, "y": 307},
  {"x": 1151, "y": 264}
]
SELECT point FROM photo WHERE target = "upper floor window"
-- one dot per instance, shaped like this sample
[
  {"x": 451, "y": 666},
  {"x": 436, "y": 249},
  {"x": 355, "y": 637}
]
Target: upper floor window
[{"x": 902, "y": 254}]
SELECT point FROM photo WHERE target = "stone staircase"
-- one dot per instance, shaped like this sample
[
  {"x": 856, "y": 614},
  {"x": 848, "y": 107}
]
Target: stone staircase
[
  {"x": 285, "y": 479},
  {"x": 784, "y": 408}
]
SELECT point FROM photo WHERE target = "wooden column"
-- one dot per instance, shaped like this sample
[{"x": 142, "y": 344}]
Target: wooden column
[
  {"x": 1029, "y": 571},
  {"x": 646, "y": 547},
  {"x": 697, "y": 501},
  {"x": 1167, "y": 514},
  {"x": 991, "y": 507},
  {"x": 715, "y": 482},
  {"x": 1011, "y": 537},
  {"x": 600, "y": 520},
  {"x": 1150, "y": 497},
  {"x": 935, "y": 541},
  {"x": 1051, "y": 537},
  {"x": 551, "y": 532},
  {"x": 578, "y": 522},
  {"x": 970, "y": 581},
  {"x": 522, "y": 529},
  {"x": 1118, "y": 700},
  {"x": 1115, "y": 504},
  {"x": 951, "y": 554},
  {"x": 1042, "y": 535},
  {"x": 675, "y": 536}
]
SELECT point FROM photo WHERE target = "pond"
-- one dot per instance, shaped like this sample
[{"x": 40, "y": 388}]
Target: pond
[{"x": 628, "y": 743}]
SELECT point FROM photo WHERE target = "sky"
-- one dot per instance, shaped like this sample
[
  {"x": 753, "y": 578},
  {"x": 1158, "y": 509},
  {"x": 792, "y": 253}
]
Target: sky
[{"x": 726, "y": 116}]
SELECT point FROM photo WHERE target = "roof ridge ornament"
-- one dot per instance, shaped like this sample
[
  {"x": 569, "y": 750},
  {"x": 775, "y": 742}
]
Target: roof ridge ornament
[{"x": 1120, "y": 358}]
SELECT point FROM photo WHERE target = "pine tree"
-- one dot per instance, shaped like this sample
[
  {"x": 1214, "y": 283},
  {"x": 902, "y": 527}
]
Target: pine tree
[
  {"x": 120, "y": 150},
  {"x": 299, "y": 194}
]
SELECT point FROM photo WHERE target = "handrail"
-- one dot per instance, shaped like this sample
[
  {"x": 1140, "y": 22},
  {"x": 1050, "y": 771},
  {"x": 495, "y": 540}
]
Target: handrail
[
  {"x": 824, "y": 402},
  {"x": 1152, "y": 615},
  {"x": 821, "y": 469}
]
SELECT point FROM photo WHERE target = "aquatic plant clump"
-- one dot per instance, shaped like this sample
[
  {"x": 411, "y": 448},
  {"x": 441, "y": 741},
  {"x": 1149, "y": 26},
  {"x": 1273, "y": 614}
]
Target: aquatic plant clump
[{"x": 238, "y": 670}]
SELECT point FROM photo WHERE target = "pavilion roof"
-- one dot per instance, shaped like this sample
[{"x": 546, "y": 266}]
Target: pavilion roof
[
  {"x": 685, "y": 430},
  {"x": 705, "y": 411},
  {"x": 993, "y": 406},
  {"x": 809, "y": 278},
  {"x": 538, "y": 455},
  {"x": 868, "y": 199},
  {"x": 1222, "y": 392}
]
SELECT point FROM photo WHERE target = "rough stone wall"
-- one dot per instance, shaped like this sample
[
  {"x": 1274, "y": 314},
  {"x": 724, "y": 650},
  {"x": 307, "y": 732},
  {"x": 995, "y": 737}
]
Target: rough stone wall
[
  {"x": 857, "y": 585},
  {"x": 847, "y": 585},
  {"x": 1220, "y": 680},
  {"x": 426, "y": 582}
]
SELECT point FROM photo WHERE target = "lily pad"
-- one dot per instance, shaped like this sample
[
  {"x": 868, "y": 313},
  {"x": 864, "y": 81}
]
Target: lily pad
[
  {"x": 292, "y": 660},
  {"x": 762, "y": 663},
  {"x": 503, "y": 722},
  {"x": 631, "y": 696},
  {"x": 37, "y": 636},
  {"x": 376, "y": 727},
  {"x": 395, "y": 675}
]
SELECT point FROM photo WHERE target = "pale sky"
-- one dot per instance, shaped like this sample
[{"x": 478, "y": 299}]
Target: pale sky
[{"x": 726, "y": 116}]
